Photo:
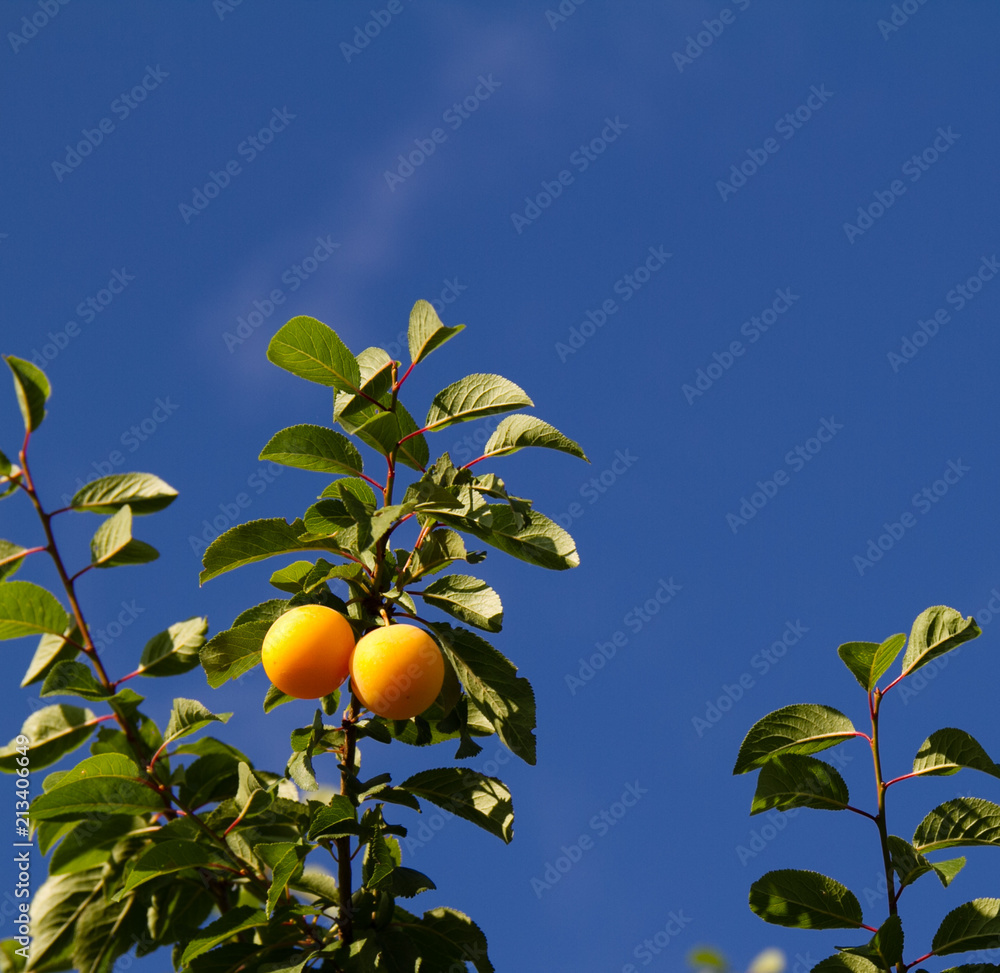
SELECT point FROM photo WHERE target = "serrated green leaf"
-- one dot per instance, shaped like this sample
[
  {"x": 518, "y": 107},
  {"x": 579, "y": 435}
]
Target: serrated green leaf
[
  {"x": 948, "y": 750},
  {"x": 426, "y": 331},
  {"x": 517, "y": 432},
  {"x": 310, "y": 447},
  {"x": 474, "y": 397},
  {"x": 89, "y": 844},
  {"x": 189, "y": 716},
  {"x": 886, "y": 946},
  {"x": 313, "y": 351},
  {"x": 72, "y": 678},
  {"x": 274, "y": 698},
  {"x": 28, "y": 609},
  {"x": 408, "y": 882},
  {"x": 167, "y": 857},
  {"x": 542, "y": 542},
  {"x": 284, "y": 859},
  {"x": 937, "y": 630},
  {"x": 804, "y": 900},
  {"x": 846, "y": 963},
  {"x": 225, "y": 927},
  {"x": 50, "y": 650},
  {"x": 974, "y": 925},
  {"x": 375, "y": 367},
  {"x": 253, "y": 541},
  {"x": 869, "y": 661},
  {"x": 960, "y": 821},
  {"x": 445, "y": 938},
  {"x": 33, "y": 391},
  {"x": 53, "y": 731},
  {"x": 802, "y": 728},
  {"x": 143, "y": 492},
  {"x": 174, "y": 650},
  {"x": 385, "y": 432},
  {"x": 109, "y": 782},
  {"x": 485, "y": 801},
  {"x": 300, "y": 769},
  {"x": 793, "y": 780},
  {"x": 910, "y": 865},
  {"x": 55, "y": 908},
  {"x": 503, "y": 697},
  {"x": 468, "y": 599},
  {"x": 10, "y": 558},
  {"x": 333, "y": 820}
]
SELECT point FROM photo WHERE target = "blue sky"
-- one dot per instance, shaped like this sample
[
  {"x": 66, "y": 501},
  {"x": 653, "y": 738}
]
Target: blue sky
[{"x": 746, "y": 255}]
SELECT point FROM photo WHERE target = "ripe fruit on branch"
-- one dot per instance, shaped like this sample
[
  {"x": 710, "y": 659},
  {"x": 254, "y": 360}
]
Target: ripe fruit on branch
[
  {"x": 306, "y": 652},
  {"x": 397, "y": 671}
]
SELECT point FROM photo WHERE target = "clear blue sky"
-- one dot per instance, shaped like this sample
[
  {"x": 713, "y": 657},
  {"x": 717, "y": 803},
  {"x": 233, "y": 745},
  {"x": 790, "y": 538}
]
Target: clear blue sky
[{"x": 648, "y": 217}]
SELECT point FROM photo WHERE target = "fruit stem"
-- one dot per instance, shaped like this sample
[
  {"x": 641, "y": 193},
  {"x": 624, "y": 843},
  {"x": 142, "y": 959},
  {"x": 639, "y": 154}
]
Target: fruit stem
[{"x": 345, "y": 915}]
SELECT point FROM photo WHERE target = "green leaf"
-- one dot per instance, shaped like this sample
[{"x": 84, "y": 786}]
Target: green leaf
[
  {"x": 50, "y": 650},
  {"x": 484, "y": 801},
  {"x": 189, "y": 716},
  {"x": 961, "y": 821},
  {"x": 947, "y": 751},
  {"x": 804, "y": 900},
  {"x": 309, "y": 447},
  {"x": 334, "y": 820},
  {"x": 869, "y": 661},
  {"x": 974, "y": 925},
  {"x": 971, "y": 968},
  {"x": 473, "y": 397},
  {"x": 225, "y": 927},
  {"x": 801, "y": 728},
  {"x": 53, "y": 731},
  {"x": 440, "y": 548},
  {"x": 89, "y": 845},
  {"x": 253, "y": 541},
  {"x": 274, "y": 698},
  {"x": 27, "y": 609},
  {"x": 846, "y": 963},
  {"x": 505, "y": 698},
  {"x": 384, "y": 431},
  {"x": 935, "y": 631},
  {"x": 213, "y": 777},
  {"x": 408, "y": 882},
  {"x": 10, "y": 559},
  {"x": 468, "y": 599},
  {"x": 55, "y": 908},
  {"x": 174, "y": 650},
  {"x": 541, "y": 542},
  {"x": 313, "y": 351},
  {"x": 74, "y": 679},
  {"x": 284, "y": 859},
  {"x": 176, "y": 911},
  {"x": 168, "y": 857},
  {"x": 113, "y": 545},
  {"x": 33, "y": 391},
  {"x": 233, "y": 652},
  {"x": 445, "y": 938},
  {"x": 886, "y": 946},
  {"x": 426, "y": 332},
  {"x": 109, "y": 783},
  {"x": 375, "y": 367},
  {"x": 792, "y": 780},
  {"x": 517, "y": 432},
  {"x": 143, "y": 492},
  {"x": 910, "y": 865}
]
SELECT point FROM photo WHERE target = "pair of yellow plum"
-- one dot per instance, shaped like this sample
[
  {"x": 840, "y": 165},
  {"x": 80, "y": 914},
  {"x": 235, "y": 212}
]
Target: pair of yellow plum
[{"x": 396, "y": 671}]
